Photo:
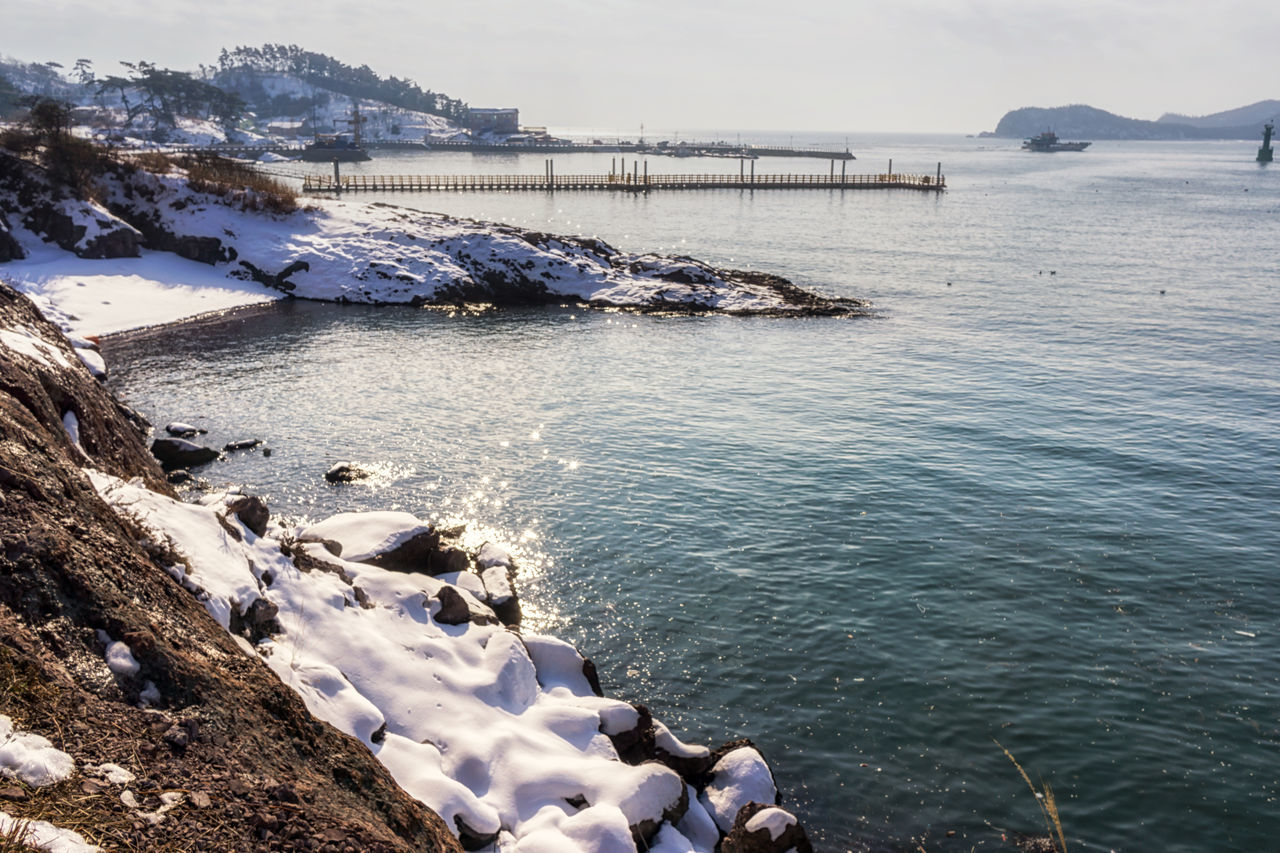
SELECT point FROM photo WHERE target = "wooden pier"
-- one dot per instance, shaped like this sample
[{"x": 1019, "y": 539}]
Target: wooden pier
[{"x": 618, "y": 182}]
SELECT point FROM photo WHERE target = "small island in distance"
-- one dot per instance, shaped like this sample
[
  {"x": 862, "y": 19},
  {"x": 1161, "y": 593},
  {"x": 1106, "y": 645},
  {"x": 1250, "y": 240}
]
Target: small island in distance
[{"x": 1080, "y": 120}]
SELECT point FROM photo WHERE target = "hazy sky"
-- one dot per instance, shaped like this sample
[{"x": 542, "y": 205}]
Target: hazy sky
[{"x": 841, "y": 65}]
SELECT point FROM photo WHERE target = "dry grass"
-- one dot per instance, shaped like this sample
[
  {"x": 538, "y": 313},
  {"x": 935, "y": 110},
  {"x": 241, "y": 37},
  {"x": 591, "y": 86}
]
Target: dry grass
[
  {"x": 18, "y": 839},
  {"x": 152, "y": 161},
  {"x": 239, "y": 183},
  {"x": 25, "y": 696},
  {"x": 1045, "y": 800}
]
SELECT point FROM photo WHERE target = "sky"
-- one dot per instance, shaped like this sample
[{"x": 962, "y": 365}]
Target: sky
[{"x": 836, "y": 65}]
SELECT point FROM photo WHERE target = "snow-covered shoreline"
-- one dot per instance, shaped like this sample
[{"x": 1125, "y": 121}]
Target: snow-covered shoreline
[
  {"x": 505, "y": 734},
  {"x": 156, "y": 251}
]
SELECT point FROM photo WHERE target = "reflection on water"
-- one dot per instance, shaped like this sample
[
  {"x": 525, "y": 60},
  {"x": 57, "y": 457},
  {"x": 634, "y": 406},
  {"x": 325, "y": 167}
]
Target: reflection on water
[{"x": 1039, "y": 508}]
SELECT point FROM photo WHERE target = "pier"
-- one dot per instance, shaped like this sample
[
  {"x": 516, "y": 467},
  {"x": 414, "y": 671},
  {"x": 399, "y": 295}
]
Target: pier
[
  {"x": 632, "y": 182},
  {"x": 251, "y": 151}
]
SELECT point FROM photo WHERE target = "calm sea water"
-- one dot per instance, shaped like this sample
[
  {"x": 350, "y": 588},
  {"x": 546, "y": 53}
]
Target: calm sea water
[{"x": 1036, "y": 500}]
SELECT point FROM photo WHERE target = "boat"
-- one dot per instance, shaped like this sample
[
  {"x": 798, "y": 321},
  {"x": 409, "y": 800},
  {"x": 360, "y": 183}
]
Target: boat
[
  {"x": 342, "y": 148},
  {"x": 339, "y": 146},
  {"x": 1048, "y": 141}
]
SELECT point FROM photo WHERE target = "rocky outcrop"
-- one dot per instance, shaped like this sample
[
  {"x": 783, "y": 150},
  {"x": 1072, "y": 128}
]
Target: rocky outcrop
[
  {"x": 52, "y": 212},
  {"x": 199, "y": 716},
  {"x": 9, "y": 248}
]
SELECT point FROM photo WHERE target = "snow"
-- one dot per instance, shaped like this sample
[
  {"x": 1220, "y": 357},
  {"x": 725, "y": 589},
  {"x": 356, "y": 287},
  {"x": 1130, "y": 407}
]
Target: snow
[
  {"x": 26, "y": 341},
  {"x": 71, "y": 424},
  {"x": 773, "y": 819},
  {"x": 740, "y": 777},
  {"x": 366, "y": 534},
  {"x": 499, "y": 731},
  {"x": 697, "y": 826},
  {"x": 30, "y": 758},
  {"x": 353, "y": 252},
  {"x": 120, "y": 659},
  {"x": 674, "y": 746},
  {"x": 93, "y": 360},
  {"x": 97, "y": 297},
  {"x": 45, "y": 836},
  {"x": 113, "y": 773},
  {"x": 497, "y": 582}
]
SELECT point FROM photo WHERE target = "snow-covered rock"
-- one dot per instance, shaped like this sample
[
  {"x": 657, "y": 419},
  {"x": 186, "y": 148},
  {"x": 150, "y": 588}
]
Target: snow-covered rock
[
  {"x": 502, "y": 736},
  {"x": 738, "y": 778}
]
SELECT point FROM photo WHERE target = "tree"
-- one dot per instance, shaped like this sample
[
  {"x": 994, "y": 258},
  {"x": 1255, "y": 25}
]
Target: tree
[
  {"x": 8, "y": 97},
  {"x": 84, "y": 72}
]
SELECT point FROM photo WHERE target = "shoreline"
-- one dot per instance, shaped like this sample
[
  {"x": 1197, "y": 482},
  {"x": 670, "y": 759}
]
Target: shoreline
[
  {"x": 636, "y": 780},
  {"x": 697, "y": 780}
]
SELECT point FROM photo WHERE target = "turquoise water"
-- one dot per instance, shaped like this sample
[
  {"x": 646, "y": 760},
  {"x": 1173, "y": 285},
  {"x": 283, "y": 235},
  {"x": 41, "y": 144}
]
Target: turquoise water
[{"x": 1034, "y": 500}]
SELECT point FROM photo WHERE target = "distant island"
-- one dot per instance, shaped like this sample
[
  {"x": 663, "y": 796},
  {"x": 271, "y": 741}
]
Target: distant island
[{"x": 1080, "y": 120}]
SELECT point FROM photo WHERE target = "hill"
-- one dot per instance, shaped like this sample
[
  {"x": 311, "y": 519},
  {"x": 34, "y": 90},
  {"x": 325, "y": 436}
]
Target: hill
[
  {"x": 1083, "y": 121},
  {"x": 252, "y": 93},
  {"x": 1252, "y": 114}
]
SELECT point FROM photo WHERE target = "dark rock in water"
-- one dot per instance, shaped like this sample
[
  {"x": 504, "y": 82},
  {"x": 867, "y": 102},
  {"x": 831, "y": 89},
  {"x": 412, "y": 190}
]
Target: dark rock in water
[
  {"x": 242, "y": 444},
  {"x": 180, "y": 477},
  {"x": 347, "y": 472},
  {"x": 266, "y": 451},
  {"x": 253, "y": 512},
  {"x": 739, "y": 840},
  {"x": 179, "y": 453},
  {"x": 453, "y": 607},
  {"x": 177, "y": 429},
  {"x": 470, "y": 839}
]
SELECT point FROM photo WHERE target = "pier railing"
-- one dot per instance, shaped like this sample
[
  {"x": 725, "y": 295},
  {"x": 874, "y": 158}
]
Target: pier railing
[{"x": 618, "y": 182}]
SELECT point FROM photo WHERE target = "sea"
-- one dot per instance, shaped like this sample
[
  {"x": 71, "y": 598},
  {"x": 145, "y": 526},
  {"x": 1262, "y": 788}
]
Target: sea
[{"x": 1012, "y": 540}]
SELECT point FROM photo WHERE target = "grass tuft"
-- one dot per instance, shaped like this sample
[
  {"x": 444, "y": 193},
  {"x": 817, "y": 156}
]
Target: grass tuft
[{"x": 1045, "y": 800}]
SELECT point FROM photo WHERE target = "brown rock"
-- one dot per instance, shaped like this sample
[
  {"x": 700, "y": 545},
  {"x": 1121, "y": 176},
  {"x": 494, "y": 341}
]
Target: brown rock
[
  {"x": 252, "y": 511},
  {"x": 739, "y": 840}
]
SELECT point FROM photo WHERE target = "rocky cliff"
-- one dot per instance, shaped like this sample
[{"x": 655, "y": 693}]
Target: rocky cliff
[{"x": 252, "y": 768}]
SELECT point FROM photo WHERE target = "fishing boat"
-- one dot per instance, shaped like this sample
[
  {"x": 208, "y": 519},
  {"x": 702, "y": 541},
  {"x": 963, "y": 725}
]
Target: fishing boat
[
  {"x": 339, "y": 147},
  {"x": 1048, "y": 141}
]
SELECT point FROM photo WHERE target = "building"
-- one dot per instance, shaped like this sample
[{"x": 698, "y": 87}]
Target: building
[{"x": 493, "y": 121}]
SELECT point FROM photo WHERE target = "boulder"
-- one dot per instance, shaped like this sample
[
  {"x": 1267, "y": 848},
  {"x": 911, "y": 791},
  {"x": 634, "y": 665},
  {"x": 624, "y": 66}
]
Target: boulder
[
  {"x": 739, "y": 777},
  {"x": 176, "y": 453},
  {"x": 636, "y": 745},
  {"x": 453, "y": 607},
  {"x": 472, "y": 839},
  {"x": 253, "y": 512},
  {"x": 260, "y": 620},
  {"x": 761, "y": 828}
]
